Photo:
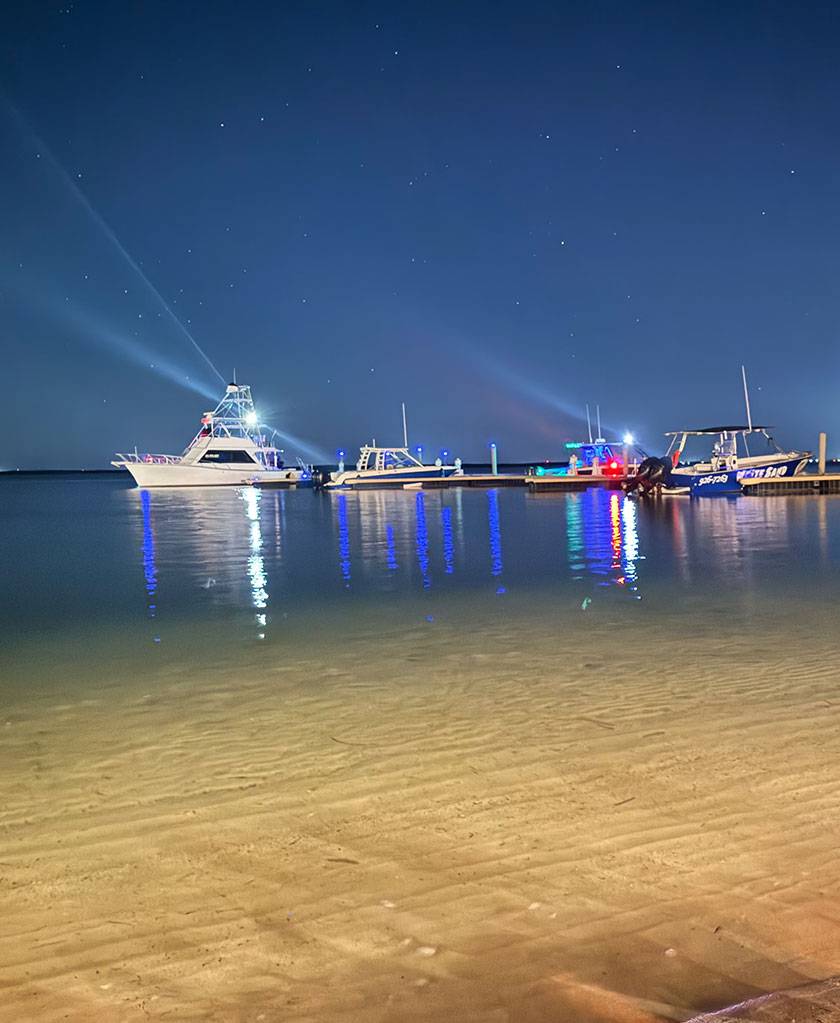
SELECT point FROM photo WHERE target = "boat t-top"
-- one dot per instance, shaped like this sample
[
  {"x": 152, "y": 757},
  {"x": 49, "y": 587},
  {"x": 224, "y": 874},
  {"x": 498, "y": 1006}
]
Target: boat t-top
[
  {"x": 393, "y": 466},
  {"x": 228, "y": 450},
  {"x": 731, "y": 461},
  {"x": 597, "y": 457}
]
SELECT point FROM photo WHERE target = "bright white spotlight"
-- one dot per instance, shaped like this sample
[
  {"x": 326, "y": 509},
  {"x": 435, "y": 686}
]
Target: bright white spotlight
[
  {"x": 251, "y": 418},
  {"x": 628, "y": 438}
]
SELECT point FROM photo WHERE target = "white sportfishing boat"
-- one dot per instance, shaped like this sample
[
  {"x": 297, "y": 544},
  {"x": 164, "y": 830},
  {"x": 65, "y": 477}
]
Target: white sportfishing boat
[{"x": 227, "y": 451}]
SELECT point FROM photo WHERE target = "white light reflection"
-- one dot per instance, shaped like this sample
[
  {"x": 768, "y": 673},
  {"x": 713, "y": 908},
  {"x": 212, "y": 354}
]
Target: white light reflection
[
  {"x": 629, "y": 541},
  {"x": 256, "y": 566}
]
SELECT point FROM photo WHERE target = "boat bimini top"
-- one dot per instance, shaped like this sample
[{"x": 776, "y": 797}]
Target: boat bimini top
[{"x": 725, "y": 453}]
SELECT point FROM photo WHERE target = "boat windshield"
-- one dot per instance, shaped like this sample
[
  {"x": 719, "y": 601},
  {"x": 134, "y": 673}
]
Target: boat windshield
[{"x": 380, "y": 459}]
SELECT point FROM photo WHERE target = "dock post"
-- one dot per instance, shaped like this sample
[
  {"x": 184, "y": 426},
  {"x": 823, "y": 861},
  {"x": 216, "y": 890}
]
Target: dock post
[
  {"x": 494, "y": 462},
  {"x": 821, "y": 462}
]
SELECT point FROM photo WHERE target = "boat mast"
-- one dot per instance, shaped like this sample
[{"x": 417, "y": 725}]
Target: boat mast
[
  {"x": 747, "y": 402},
  {"x": 405, "y": 428}
]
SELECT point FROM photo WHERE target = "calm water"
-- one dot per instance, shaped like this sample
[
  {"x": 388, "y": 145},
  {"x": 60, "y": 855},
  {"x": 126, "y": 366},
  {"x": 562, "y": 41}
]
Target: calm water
[{"x": 97, "y": 573}]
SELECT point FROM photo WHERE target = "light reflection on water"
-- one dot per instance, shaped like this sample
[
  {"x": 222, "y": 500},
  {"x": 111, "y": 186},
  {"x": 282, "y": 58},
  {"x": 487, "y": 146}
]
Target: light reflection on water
[
  {"x": 255, "y": 561},
  {"x": 422, "y": 541},
  {"x": 149, "y": 567},
  {"x": 256, "y": 564}
]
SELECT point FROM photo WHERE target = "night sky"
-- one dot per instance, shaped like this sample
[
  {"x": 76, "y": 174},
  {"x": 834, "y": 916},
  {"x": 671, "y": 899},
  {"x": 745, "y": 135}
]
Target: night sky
[{"x": 494, "y": 212}]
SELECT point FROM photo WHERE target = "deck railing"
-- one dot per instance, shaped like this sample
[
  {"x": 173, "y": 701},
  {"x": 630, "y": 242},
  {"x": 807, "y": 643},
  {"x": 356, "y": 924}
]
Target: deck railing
[{"x": 148, "y": 459}]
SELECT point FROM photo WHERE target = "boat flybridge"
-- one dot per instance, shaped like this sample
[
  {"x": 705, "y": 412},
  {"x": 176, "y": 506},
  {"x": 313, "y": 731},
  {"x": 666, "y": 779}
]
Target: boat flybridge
[
  {"x": 228, "y": 450},
  {"x": 723, "y": 472}
]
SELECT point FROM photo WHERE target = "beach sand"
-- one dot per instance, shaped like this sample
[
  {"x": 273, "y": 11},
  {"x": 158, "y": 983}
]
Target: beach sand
[{"x": 471, "y": 828}]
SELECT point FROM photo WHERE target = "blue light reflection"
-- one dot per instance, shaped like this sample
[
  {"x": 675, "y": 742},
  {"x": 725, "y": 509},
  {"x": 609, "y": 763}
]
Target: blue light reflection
[
  {"x": 390, "y": 548},
  {"x": 149, "y": 565},
  {"x": 343, "y": 539},
  {"x": 422, "y": 539},
  {"x": 448, "y": 541},
  {"x": 493, "y": 521}
]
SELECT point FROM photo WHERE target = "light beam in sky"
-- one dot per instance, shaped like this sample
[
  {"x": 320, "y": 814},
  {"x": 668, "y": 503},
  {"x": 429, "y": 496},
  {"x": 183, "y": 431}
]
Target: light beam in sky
[
  {"x": 116, "y": 340},
  {"x": 76, "y": 192},
  {"x": 316, "y": 454},
  {"x": 532, "y": 388}
]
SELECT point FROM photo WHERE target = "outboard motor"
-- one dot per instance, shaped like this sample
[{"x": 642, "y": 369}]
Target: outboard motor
[{"x": 652, "y": 472}]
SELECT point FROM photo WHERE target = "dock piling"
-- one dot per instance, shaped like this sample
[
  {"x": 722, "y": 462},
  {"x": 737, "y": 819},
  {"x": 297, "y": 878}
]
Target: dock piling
[{"x": 821, "y": 462}]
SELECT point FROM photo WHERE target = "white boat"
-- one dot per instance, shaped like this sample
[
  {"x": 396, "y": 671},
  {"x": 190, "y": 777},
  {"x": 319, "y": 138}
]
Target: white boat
[
  {"x": 390, "y": 467},
  {"x": 227, "y": 451},
  {"x": 382, "y": 467}
]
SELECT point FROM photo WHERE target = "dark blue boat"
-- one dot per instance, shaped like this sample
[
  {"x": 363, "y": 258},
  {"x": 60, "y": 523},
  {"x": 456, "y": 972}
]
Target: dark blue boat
[{"x": 723, "y": 473}]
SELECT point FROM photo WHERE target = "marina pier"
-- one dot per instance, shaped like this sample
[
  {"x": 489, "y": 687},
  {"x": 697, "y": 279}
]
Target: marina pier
[{"x": 806, "y": 483}]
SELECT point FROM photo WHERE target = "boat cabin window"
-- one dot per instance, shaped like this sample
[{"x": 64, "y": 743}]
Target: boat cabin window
[{"x": 226, "y": 456}]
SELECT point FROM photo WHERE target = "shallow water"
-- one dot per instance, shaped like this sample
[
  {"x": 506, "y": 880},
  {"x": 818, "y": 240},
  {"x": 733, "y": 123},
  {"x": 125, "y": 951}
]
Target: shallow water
[
  {"x": 215, "y": 571},
  {"x": 459, "y": 754}
]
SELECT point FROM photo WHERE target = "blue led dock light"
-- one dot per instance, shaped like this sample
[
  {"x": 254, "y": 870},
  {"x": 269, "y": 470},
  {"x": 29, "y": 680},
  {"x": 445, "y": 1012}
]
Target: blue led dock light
[
  {"x": 341, "y": 460},
  {"x": 494, "y": 459}
]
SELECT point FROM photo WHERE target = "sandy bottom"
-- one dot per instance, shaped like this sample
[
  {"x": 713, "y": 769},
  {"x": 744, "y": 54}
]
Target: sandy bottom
[{"x": 483, "y": 830}]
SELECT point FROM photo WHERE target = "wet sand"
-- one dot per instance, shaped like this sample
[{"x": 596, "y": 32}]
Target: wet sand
[{"x": 478, "y": 828}]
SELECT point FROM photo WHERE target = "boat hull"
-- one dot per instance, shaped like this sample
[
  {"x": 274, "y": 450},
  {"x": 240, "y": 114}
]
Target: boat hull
[
  {"x": 709, "y": 484},
  {"x": 355, "y": 480},
  {"x": 151, "y": 475}
]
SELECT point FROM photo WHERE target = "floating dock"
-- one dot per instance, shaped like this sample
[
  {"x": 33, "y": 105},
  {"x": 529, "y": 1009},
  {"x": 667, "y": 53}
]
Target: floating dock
[
  {"x": 488, "y": 479},
  {"x": 806, "y": 483},
  {"x": 563, "y": 484},
  {"x": 542, "y": 484}
]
